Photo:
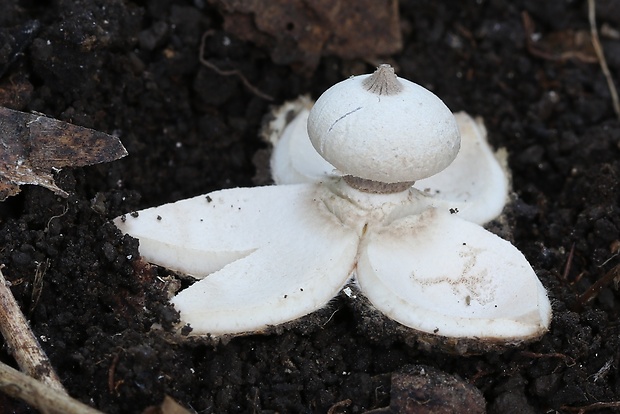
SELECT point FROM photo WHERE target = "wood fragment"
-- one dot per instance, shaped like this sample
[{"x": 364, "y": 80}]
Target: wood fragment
[
  {"x": 568, "y": 360},
  {"x": 594, "y": 290},
  {"x": 37, "y": 285},
  {"x": 601, "y": 57},
  {"x": 591, "y": 407},
  {"x": 168, "y": 406},
  {"x": 39, "y": 395},
  {"x": 569, "y": 263},
  {"x": 111, "y": 372},
  {"x": 22, "y": 343}
]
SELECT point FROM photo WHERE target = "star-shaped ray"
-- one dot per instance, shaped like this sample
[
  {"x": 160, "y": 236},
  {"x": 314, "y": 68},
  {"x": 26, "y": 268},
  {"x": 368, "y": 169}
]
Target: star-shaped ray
[{"x": 271, "y": 254}]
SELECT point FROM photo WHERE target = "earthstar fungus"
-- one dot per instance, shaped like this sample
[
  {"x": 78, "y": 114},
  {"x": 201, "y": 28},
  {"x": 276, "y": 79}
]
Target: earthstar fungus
[{"x": 269, "y": 255}]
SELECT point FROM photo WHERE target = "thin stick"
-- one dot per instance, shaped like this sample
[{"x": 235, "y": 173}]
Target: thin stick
[
  {"x": 595, "y": 406},
  {"x": 593, "y": 291},
  {"x": 338, "y": 405},
  {"x": 44, "y": 398},
  {"x": 232, "y": 72},
  {"x": 569, "y": 263},
  {"x": 22, "y": 343},
  {"x": 601, "y": 57}
]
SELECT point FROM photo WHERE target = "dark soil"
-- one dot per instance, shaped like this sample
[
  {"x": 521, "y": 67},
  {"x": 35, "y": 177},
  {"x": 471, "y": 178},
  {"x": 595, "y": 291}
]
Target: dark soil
[{"x": 132, "y": 69}]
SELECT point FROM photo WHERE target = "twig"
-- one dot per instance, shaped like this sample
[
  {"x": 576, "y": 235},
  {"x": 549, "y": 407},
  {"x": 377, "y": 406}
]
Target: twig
[
  {"x": 168, "y": 406},
  {"x": 22, "y": 343},
  {"x": 111, "y": 383},
  {"x": 37, "y": 285},
  {"x": 593, "y": 291},
  {"x": 594, "y": 406},
  {"x": 534, "y": 50},
  {"x": 330, "y": 317},
  {"x": 337, "y": 406},
  {"x": 569, "y": 263},
  {"x": 232, "y": 72},
  {"x": 39, "y": 395},
  {"x": 568, "y": 360},
  {"x": 601, "y": 57}
]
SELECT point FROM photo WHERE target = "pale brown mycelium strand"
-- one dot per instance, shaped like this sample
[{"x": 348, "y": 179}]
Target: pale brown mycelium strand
[{"x": 383, "y": 82}]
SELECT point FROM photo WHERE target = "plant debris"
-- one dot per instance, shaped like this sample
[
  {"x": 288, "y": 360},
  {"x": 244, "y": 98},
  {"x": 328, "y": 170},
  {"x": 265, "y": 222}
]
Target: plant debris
[
  {"x": 168, "y": 406},
  {"x": 23, "y": 345},
  {"x": 423, "y": 389},
  {"x": 34, "y": 146},
  {"x": 298, "y": 32},
  {"x": 561, "y": 45}
]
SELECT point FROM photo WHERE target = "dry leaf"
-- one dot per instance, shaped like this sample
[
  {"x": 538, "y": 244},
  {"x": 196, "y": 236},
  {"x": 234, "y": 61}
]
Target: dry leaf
[
  {"x": 298, "y": 32},
  {"x": 168, "y": 406},
  {"x": 34, "y": 146}
]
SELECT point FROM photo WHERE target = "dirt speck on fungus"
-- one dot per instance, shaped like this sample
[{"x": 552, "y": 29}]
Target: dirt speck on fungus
[{"x": 131, "y": 69}]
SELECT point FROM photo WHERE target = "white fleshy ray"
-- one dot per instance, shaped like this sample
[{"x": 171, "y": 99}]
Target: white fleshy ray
[
  {"x": 440, "y": 274},
  {"x": 294, "y": 159},
  {"x": 475, "y": 183},
  {"x": 271, "y": 254}
]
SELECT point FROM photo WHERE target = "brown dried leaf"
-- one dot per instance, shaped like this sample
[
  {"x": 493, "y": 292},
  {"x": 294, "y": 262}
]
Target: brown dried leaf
[
  {"x": 34, "y": 146},
  {"x": 168, "y": 406},
  {"x": 298, "y": 32}
]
